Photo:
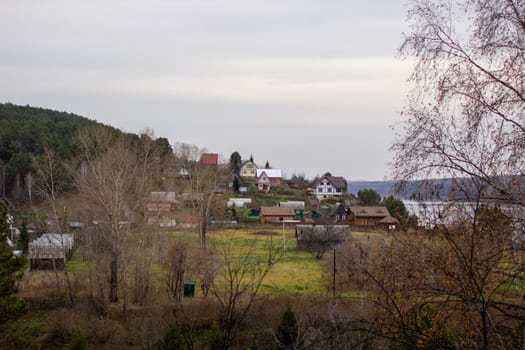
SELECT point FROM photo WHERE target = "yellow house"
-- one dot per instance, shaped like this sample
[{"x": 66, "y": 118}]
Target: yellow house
[{"x": 248, "y": 171}]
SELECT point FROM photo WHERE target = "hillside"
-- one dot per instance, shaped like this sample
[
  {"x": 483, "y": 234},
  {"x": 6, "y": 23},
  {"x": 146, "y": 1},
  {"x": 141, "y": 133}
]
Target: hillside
[{"x": 25, "y": 132}]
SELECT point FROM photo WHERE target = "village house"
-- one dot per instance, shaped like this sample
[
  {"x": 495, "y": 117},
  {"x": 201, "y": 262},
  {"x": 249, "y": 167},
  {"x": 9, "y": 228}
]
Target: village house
[
  {"x": 248, "y": 171},
  {"x": 274, "y": 175},
  {"x": 338, "y": 213},
  {"x": 188, "y": 221},
  {"x": 329, "y": 186},
  {"x": 210, "y": 159},
  {"x": 161, "y": 208},
  {"x": 370, "y": 216},
  {"x": 276, "y": 214},
  {"x": 263, "y": 182},
  {"x": 297, "y": 206}
]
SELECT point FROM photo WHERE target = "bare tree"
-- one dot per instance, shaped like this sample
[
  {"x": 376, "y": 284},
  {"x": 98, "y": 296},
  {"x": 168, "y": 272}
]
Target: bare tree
[
  {"x": 202, "y": 185},
  {"x": 466, "y": 121},
  {"x": 464, "y": 271},
  {"x": 466, "y": 111},
  {"x": 114, "y": 178},
  {"x": 321, "y": 238},
  {"x": 49, "y": 185},
  {"x": 237, "y": 290},
  {"x": 175, "y": 266}
]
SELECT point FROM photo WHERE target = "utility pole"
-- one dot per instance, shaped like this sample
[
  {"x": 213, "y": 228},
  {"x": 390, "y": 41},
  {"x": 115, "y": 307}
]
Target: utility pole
[
  {"x": 284, "y": 240},
  {"x": 270, "y": 260},
  {"x": 333, "y": 281}
]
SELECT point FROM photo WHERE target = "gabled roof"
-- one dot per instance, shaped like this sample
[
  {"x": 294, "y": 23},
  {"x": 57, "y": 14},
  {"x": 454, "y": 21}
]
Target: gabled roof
[
  {"x": 336, "y": 209},
  {"x": 336, "y": 181},
  {"x": 261, "y": 178},
  {"x": 277, "y": 211},
  {"x": 248, "y": 162},
  {"x": 369, "y": 211},
  {"x": 210, "y": 158},
  {"x": 271, "y": 173}
]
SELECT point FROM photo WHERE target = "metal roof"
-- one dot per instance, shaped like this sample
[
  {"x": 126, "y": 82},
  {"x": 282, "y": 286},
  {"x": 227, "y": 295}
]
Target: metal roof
[{"x": 271, "y": 173}]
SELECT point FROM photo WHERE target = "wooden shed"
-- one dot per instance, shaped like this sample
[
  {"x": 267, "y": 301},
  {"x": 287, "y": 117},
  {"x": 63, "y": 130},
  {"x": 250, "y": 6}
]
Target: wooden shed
[
  {"x": 50, "y": 249},
  {"x": 276, "y": 214}
]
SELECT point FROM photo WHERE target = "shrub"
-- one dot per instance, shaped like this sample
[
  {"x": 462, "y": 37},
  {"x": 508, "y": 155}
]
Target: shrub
[
  {"x": 288, "y": 336},
  {"x": 11, "y": 307}
]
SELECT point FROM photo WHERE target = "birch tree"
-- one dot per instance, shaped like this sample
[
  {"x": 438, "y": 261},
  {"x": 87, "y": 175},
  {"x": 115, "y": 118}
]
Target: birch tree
[{"x": 114, "y": 178}]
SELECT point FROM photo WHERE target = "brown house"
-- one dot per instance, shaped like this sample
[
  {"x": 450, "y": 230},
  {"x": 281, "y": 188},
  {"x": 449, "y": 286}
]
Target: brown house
[
  {"x": 273, "y": 214},
  {"x": 372, "y": 216}
]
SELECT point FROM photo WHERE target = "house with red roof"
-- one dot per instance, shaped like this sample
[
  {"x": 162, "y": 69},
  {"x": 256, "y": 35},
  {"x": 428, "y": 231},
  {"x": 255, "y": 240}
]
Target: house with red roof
[{"x": 210, "y": 158}]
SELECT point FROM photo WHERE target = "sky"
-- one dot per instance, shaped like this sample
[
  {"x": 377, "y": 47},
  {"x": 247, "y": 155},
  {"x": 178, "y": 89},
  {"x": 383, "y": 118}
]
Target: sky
[{"x": 308, "y": 85}]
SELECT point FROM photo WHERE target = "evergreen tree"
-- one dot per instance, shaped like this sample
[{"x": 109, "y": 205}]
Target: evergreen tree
[
  {"x": 288, "y": 336},
  {"x": 236, "y": 184},
  {"x": 23, "y": 238},
  {"x": 10, "y": 273},
  {"x": 369, "y": 197},
  {"x": 235, "y": 162}
]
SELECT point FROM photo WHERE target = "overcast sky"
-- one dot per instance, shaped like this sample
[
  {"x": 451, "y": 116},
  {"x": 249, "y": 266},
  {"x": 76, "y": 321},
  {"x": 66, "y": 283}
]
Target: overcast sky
[{"x": 309, "y": 85}]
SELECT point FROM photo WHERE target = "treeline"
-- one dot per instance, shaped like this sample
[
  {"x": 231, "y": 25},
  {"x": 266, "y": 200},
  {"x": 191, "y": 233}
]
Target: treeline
[{"x": 27, "y": 133}]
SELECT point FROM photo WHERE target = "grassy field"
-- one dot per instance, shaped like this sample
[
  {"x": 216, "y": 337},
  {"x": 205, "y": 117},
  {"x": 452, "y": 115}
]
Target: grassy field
[{"x": 292, "y": 271}]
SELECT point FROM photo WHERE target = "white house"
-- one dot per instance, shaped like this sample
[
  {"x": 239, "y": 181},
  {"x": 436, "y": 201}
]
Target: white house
[{"x": 329, "y": 186}]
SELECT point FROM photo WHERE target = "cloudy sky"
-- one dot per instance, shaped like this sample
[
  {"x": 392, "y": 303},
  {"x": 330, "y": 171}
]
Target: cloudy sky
[{"x": 309, "y": 85}]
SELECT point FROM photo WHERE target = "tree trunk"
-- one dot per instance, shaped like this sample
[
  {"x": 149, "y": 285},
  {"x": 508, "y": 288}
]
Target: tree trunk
[
  {"x": 68, "y": 285},
  {"x": 56, "y": 275},
  {"x": 113, "y": 296},
  {"x": 125, "y": 291},
  {"x": 203, "y": 230}
]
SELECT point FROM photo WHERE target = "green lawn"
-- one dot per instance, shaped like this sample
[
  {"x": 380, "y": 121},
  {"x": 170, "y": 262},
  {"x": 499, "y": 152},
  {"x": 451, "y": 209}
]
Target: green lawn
[{"x": 292, "y": 271}]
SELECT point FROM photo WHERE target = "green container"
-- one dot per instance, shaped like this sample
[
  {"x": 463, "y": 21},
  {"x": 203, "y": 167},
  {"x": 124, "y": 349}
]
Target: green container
[{"x": 189, "y": 288}]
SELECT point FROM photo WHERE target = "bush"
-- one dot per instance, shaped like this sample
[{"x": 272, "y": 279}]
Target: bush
[
  {"x": 288, "y": 336},
  {"x": 171, "y": 339},
  {"x": 11, "y": 307}
]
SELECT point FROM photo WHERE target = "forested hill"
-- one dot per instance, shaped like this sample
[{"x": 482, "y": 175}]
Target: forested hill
[{"x": 27, "y": 131}]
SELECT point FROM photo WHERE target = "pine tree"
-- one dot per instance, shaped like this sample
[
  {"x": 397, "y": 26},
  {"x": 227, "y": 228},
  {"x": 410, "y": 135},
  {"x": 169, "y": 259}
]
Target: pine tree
[{"x": 288, "y": 336}]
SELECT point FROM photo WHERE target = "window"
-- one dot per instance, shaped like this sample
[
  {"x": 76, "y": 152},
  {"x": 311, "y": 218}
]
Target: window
[
  {"x": 329, "y": 190},
  {"x": 320, "y": 189}
]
